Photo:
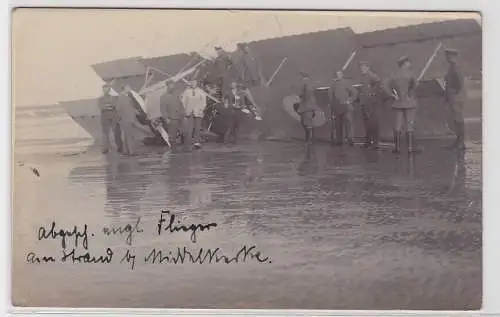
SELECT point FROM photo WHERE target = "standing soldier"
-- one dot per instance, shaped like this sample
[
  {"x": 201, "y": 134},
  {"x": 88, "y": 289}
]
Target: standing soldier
[
  {"x": 342, "y": 94},
  {"x": 306, "y": 106},
  {"x": 222, "y": 67},
  {"x": 247, "y": 66},
  {"x": 455, "y": 97},
  {"x": 109, "y": 119},
  {"x": 127, "y": 114},
  {"x": 172, "y": 110},
  {"x": 236, "y": 104},
  {"x": 402, "y": 86},
  {"x": 370, "y": 100}
]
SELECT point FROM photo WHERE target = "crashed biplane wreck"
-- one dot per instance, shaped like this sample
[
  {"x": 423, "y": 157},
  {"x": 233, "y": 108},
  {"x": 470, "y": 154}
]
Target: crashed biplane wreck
[{"x": 270, "y": 70}]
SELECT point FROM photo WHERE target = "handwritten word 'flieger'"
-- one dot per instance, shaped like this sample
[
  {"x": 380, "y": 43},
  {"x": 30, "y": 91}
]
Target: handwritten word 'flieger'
[{"x": 173, "y": 227}]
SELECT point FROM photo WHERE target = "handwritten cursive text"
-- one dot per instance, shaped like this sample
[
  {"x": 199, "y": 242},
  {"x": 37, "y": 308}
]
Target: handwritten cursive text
[
  {"x": 172, "y": 227},
  {"x": 54, "y": 233},
  {"x": 87, "y": 257},
  {"x": 204, "y": 256},
  {"x": 128, "y": 229}
]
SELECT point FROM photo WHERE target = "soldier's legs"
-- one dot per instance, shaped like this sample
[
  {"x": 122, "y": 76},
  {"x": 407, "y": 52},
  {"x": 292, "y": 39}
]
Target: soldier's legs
[
  {"x": 456, "y": 109},
  {"x": 172, "y": 128},
  {"x": 368, "y": 127},
  {"x": 339, "y": 129},
  {"x": 106, "y": 126},
  {"x": 118, "y": 135},
  {"x": 399, "y": 120},
  {"x": 307, "y": 122},
  {"x": 197, "y": 131},
  {"x": 188, "y": 131},
  {"x": 304, "y": 126},
  {"x": 128, "y": 137},
  {"x": 348, "y": 126},
  {"x": 374, "y": 127},
  {"x": 410, "y": 119}
]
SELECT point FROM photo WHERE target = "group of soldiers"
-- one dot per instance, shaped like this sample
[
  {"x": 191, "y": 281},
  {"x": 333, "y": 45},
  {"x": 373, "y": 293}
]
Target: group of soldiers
[
  {"x": 400, "y": 87},
  {"x": 184, "y": 111}
]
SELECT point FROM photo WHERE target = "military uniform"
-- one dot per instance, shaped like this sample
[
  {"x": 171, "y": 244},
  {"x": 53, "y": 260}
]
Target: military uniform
[
  {"x": 110, "y": 121},
  {"x": 402, "y": 86},
  {"x": 222, "y": 71},
  {"x": 236, "y": 101},
  {"x": 173, "y": 110},
  {"x": 247, "y": 66},
  {"x": 306, "y": 108},
  {"x": 342, "y": 95},
  {"x": 370, "y": 100},
  {"x": 455, "y": 97},
  {"x": 127, "y": 114}
]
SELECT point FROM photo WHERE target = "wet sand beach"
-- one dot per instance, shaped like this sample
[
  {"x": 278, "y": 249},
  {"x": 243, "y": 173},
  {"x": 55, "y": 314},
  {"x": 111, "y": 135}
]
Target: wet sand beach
[{"x": 343, "y": 228}]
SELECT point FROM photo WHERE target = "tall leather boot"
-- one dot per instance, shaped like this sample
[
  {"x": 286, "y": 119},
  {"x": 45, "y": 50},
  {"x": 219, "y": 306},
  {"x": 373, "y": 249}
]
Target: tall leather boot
[
  {"x": 412, "y": 147},
  {"x": 397, "y": 142},
  {"x": 339, "y": 125},
  {"x": 460, "y": 143},
  {"x": 375, "y": 137},
  {"x": 368, "y": 136},
  {"x": 310, "y": 136}
]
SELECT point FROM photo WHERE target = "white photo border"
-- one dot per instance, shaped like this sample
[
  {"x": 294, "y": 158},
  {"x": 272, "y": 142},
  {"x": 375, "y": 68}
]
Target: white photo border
[{"x": 491, "y": 155}]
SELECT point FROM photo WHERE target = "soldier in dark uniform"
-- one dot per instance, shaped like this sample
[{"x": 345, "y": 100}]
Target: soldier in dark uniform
[
  {"x": 305, "y": 108},
  {"x": 455, "y": 97},
  {"x": 342, "y": 95},
  {"x": 222, "y": 70},
  {"x": 110, "y": 120},
  {"x": 402, "y": 86},
  {"x": 247, "y": 66},
  {"x": 370, "y": 100}
]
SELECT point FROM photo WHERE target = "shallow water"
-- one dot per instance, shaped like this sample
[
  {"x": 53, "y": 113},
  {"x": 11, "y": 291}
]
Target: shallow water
[{"x": 344, "y": 228}]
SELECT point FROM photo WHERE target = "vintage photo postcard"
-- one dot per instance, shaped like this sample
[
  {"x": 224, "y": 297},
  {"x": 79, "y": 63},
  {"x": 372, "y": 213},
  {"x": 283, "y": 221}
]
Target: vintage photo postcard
[{"x": 247, "y": 159}]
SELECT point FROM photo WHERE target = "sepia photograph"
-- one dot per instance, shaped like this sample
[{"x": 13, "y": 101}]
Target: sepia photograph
[{"x": 246, "y": 159}]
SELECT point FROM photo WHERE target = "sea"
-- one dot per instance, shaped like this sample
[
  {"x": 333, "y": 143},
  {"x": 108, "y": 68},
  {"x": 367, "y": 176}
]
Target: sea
[{"x": 335, "y": 228}]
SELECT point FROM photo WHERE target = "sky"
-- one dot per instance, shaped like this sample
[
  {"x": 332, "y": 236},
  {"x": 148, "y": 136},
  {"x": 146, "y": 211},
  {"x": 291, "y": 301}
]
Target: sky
[{"x": 53, "y": 49}]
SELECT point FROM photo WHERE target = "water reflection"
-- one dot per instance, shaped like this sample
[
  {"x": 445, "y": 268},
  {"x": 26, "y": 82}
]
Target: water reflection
[
  {"x": 255, "y": 170},
  {"x": 372, "y": 156},
  {"x": 316, "y": 208},
  {"x": 411, "y": 164},
  {"x": 124, "y": 185},
  {"x": 309, "y": 164}
]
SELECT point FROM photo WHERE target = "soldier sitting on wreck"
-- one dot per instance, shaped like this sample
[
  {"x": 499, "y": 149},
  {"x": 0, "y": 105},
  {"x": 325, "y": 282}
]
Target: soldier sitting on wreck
[{"x": 237, "y": 103}]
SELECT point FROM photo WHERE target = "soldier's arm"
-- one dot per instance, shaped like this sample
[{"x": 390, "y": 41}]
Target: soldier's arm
[{"x": 374, "y": 79}]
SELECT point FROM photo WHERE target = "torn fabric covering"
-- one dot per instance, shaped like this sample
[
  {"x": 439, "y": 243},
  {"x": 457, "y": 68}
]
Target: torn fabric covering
[
  {"x": 152, "y": 102},
  {"x": 113, "y": 92}
]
